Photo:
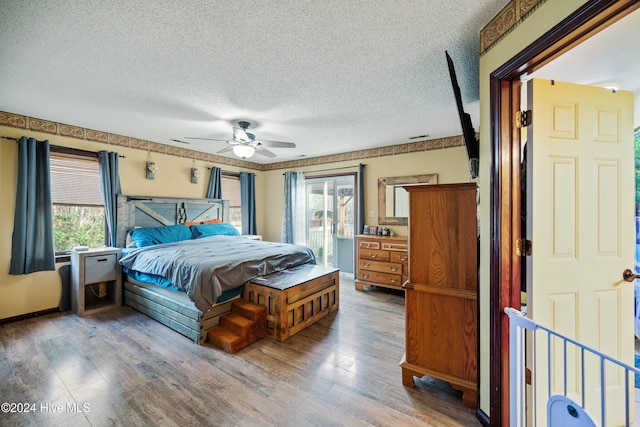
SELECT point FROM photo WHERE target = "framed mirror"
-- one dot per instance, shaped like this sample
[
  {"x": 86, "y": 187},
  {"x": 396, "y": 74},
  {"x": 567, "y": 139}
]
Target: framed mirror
[{"x": 393, "y": 200}]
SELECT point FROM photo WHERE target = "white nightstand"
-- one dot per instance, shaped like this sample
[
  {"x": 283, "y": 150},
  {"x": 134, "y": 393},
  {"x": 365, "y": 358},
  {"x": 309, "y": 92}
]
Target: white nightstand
[{"x": 96, "y": 280}]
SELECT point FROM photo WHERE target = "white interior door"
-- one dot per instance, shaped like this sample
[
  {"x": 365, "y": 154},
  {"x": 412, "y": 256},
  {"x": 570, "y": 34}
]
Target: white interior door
[{"x": 582, "y": 229}]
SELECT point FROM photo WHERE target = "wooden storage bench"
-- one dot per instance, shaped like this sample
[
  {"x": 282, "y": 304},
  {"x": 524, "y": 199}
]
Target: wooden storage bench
[{"x": 295, "y": 298}]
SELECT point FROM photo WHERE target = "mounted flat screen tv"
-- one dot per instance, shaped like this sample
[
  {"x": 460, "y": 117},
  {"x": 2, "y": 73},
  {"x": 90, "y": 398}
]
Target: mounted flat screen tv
[{"x": 469, "y": 135}]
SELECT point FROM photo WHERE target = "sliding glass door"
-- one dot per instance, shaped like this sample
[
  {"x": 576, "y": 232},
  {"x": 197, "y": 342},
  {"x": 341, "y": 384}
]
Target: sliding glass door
[{"x": 331, "y": 220}]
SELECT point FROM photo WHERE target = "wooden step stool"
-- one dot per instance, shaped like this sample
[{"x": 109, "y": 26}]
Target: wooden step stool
[{"x": 246, "y": 323}]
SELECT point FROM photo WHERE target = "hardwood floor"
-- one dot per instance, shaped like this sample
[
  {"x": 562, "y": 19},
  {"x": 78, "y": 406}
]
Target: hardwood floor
[{"x": 122, "y": 368}]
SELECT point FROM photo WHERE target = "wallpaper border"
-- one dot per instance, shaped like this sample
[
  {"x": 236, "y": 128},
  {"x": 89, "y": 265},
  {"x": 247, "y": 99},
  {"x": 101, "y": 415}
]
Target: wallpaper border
[{"x": 505, "y": 21}]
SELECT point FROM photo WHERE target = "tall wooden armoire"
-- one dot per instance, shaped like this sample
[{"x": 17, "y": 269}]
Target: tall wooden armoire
[{"x": 441, "y": 294}]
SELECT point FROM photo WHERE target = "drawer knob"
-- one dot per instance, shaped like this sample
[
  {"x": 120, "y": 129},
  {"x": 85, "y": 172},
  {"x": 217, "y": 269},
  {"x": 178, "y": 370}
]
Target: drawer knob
[
  {"x": 393, "y": 280},
  {"x": 365, "y": 276},
  {"x": 402, "y": 258},
  {"x": 372, "y": 255},
  {"x": 366, "y": 265},
  {"x": 394, "y": 269}
]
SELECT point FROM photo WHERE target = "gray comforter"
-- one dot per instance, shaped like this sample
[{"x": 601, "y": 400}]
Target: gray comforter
[{"x": 206, "y": 267}]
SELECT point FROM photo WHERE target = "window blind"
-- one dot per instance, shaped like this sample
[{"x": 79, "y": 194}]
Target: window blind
[
  {"x": 231, "y": 190},
  {"x": 75, "y": 180}
]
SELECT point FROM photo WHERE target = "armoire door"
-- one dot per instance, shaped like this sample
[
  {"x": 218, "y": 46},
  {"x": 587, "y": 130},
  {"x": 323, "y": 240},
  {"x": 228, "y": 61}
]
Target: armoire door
[{"x": 441, "y": 297}]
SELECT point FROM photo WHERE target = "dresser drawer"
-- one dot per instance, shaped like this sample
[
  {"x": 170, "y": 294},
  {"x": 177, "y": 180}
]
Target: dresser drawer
[
  {"x": 100, "y": 268},
  {"x": 394, "y": 246},
  {"x": 368, "y": 244},
  {"x": 399, "y": 257},
  {"x": 380, "y": 278},
  {"x": 381, "y": 266},
  {"x": 374, "y": 254}
]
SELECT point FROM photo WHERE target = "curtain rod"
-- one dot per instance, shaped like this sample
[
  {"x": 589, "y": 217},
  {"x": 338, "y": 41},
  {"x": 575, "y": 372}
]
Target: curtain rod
[
  {"x": 59, "y": 146},
  {"x": 334, "y": 169},
  {"x": 70, "y": 150},
  {"x": 224, "y": 172},
  {"x": 12, "y": 139}
]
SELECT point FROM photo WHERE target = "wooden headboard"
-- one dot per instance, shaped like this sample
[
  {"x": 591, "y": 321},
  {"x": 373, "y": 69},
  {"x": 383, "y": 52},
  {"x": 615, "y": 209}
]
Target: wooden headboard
[{"x": 148, "y": 211}]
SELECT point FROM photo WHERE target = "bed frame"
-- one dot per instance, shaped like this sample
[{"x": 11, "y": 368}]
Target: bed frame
[
  {"x": 171, "y": 308},
  {"x": 149, "y": 211},
  {"x": 294, "y": 298},
  {"x": 174, "y": 309}
]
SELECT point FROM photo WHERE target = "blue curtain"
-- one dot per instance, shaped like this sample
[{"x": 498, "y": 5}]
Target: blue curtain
[
  {"x": 110, "y": 187},
  {"x": 32, "y": 241},
  {"x": 248, "y": 202},
  {"x": 360, "y": 207},
  {"x": 360, "y": 210},
  {"x": 215, "y": 184},
  {"x": 290, "y": 183}
]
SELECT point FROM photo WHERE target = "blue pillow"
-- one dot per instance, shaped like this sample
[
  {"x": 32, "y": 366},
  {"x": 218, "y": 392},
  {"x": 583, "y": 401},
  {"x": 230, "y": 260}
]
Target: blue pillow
[
  {"x": 147, "y": 236},
  {"x": 204, "y": 230}
]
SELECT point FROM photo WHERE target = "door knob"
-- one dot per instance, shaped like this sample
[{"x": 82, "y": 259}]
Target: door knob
[{"x": 629, "y": 275}]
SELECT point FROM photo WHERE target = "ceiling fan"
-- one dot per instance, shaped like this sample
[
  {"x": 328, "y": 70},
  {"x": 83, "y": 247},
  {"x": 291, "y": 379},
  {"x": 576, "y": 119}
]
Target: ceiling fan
[{"x": 244, "y": 144}]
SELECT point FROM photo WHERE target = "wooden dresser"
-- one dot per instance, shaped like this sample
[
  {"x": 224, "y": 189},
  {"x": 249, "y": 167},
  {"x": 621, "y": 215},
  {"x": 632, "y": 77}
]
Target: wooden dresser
[
  {"x": 441, "y": 294},
  {"x": 382, "y": 261}
]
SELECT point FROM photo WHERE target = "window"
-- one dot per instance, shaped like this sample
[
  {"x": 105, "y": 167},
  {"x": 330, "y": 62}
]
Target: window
[
  {"x": 78, "y": 207},
  {"x": 231, "y": 192}
]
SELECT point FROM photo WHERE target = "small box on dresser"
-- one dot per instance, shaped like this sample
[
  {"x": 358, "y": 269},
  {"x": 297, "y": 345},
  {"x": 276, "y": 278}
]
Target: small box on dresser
[
  {"x": 96, "y": 280},
  {"x": 382, "y": 261}
]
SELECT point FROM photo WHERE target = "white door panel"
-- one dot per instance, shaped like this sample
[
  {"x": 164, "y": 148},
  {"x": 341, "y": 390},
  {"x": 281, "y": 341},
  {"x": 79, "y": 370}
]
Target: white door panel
[{"x": 582, "y": 230}]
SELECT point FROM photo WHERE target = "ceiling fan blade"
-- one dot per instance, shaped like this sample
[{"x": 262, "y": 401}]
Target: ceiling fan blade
[
  {"x": 225, "y": 149},
  {"x": 264, "y": 152},
  {"x": 277, "y": 144},
  {"x": 205, "y": 139},
  {"x": 241, "y": 135}
]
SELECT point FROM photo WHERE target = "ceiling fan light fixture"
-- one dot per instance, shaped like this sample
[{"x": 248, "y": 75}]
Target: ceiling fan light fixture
[
  {"x": 245, "y": 144},
  {"x": 243, "y": 151}
]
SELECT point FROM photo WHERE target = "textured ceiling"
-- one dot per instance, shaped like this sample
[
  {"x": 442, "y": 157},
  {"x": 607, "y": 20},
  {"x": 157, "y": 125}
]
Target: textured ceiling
[
  {"x": 330, "y": 76},
  {"x": 611, "y": 57}
]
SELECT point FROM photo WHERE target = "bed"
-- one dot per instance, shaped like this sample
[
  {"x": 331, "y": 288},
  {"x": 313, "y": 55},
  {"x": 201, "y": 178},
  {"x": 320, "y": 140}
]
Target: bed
[{"x": 184, "y": 265}]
